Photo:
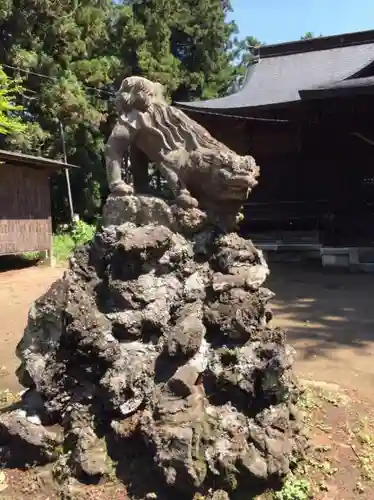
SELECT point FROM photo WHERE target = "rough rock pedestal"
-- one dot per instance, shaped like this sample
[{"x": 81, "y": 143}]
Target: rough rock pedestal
[{"x": 160, "y": 329}]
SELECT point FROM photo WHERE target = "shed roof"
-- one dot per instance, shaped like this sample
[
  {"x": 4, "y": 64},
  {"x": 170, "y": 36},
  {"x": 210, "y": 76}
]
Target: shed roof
[
  {"x": 21, "y": 159},
  {"x": 282, "y": 70}
]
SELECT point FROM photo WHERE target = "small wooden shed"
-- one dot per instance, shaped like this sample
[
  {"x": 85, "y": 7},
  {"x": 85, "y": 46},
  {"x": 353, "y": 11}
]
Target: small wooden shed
[{"x": 25, "y": 203}]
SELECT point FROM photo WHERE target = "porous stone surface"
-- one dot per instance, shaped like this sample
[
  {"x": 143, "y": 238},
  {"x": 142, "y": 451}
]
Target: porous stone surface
[
  {"x": 165, "y": 336},
  {"x": 25, "y": 440}
]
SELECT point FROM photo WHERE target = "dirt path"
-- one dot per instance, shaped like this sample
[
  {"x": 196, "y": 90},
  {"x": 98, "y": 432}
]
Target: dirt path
[
  {"x": 330, "y": 320},
  {"x": 18, "y": 289}
]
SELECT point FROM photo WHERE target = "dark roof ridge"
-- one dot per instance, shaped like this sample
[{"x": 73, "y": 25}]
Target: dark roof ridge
[
  {"x": 356, "y": 86},
  {"x": 315, "y": 44},
  {"x": 347, "y": 83}
]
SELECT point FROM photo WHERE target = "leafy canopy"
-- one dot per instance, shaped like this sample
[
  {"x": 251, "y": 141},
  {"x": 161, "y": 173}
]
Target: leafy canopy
[
  {"x": 10, "y": 121},
  {"x": 72, "y": 56}
]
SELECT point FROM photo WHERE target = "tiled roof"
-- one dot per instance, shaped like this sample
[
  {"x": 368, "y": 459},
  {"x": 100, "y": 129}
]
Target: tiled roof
[{"x": 278, "y": 77}]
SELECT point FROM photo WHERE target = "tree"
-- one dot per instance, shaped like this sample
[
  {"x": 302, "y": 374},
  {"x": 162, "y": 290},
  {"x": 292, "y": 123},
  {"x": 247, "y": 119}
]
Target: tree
[
  {"x": 186, "y": 45},
  {"x": 244, "y": 57},
  {"x": 202, "y": 40},
  {"x": 72, "y": 56},
  {"x": 10, "y": 121},
  {"x": 69, "y": 44},
  {"x": 308, "y": 35}
]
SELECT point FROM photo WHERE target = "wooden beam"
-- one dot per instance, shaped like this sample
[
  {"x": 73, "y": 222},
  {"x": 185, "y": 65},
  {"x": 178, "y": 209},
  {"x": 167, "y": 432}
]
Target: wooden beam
[{"x": 361, "y": 136}]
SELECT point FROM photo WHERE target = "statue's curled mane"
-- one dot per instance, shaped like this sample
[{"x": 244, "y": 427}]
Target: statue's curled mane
[
  {"x": 173, "y": 126},
  {"x": 196, "y": 166}
]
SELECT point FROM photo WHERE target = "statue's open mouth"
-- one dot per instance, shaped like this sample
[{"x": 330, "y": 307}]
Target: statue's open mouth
[
  {"x": 234, "y": 187},
  {"x": 238, "y": 182}
]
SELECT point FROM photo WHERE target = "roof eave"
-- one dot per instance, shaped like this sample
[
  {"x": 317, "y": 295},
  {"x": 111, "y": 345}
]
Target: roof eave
[
  {"x": 343, "y": 88},
  {"x": 338, "y": 92},
  {"x": 222, "y": 103},
  {"x": 20, "y": 159},
  {"x": 229, "y": 102},
  {"x": 254, "y": 110}
]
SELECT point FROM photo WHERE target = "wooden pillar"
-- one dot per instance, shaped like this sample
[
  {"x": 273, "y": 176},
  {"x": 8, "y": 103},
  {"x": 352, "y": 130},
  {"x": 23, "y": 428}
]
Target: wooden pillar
[{"x": 47, "y": 256}]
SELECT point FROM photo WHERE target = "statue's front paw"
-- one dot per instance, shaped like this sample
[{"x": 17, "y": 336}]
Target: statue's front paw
[
  {"x": 121, "y": 189},
  {"x": 185, "y": 200}
]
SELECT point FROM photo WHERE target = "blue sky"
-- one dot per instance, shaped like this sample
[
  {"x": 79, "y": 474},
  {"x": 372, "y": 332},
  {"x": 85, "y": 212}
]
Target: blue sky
[{"x": 274, "y": 21}]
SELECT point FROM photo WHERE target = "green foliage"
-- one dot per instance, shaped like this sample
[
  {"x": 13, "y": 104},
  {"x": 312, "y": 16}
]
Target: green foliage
[
  {"x": 63, "y": 247},
  {"x": 71, "y": 236},
  {"x": 10, "y": 122},
  {"x": 81, "y": 232},
  {"x": 83, "y": 50},
  {"x": 244, "y": 56},
  {"x": 69, "y": 42},
  {"x": 239, "y": 218},
  {"x": 66, "y": 239},
  {"x": 309, "y": 35},
  {"x": 294, "y": 489}
]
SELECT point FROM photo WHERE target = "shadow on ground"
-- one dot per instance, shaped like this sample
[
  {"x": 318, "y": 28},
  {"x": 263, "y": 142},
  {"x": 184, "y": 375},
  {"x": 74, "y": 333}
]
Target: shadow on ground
[
  {"x": 325, "y": 309},
  {"x": 16, "y": 262}
]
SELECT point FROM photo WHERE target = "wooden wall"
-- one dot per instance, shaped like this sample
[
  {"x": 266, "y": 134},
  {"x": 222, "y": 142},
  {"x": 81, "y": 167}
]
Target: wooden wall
[
  {"x": 314, "y": 174},
  {"x": 25, "y": 211},
  {"x": 230, "y": 131},
  {"x": 310, "y": 161}
]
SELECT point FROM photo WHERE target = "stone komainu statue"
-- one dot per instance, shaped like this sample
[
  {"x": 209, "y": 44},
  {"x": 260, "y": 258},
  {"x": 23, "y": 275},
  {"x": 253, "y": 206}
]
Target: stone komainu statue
[{"x": 196, "y": 167}]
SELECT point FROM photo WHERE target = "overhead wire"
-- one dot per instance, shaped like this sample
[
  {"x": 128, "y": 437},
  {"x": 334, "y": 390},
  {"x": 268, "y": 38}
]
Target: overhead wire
[
  {"x": 53, "y": 78},
  {"x": 185, "y": 108},
  {"x": 203, "y": 111}
]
